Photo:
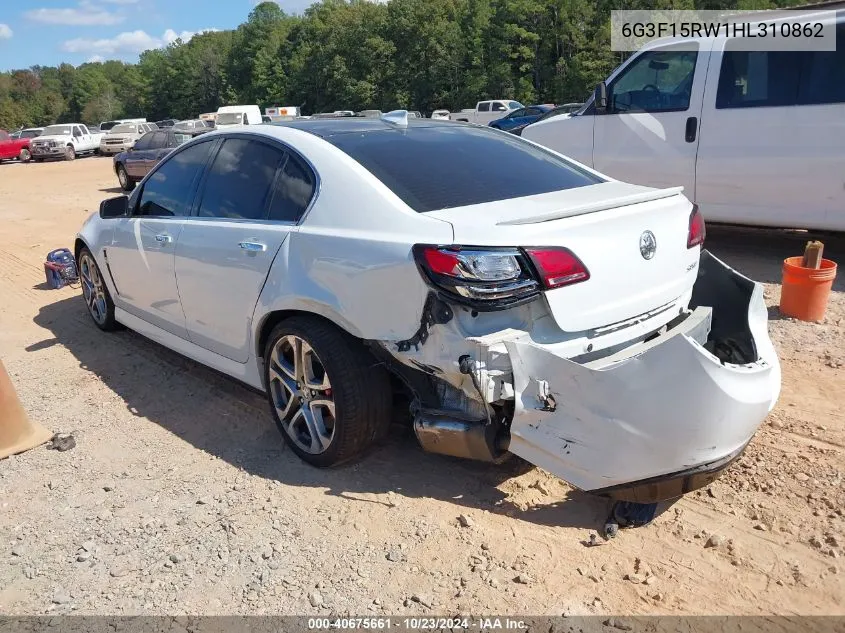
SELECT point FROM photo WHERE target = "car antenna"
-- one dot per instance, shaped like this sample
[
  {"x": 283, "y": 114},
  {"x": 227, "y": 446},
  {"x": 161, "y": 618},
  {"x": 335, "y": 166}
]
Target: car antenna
[{"x": 399, "y": 118}]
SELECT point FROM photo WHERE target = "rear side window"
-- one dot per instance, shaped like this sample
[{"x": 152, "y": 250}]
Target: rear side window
[
  {"x": 292, "y": 192},
  {"x": 484, "y": 107},
  {"x": 4, "y": 136},
  {"x": 240, "y": 180},
  {"x": 756, "y": 79},
  {"x": 436, "y": 167},
  {"x": 169, "y": 189}
]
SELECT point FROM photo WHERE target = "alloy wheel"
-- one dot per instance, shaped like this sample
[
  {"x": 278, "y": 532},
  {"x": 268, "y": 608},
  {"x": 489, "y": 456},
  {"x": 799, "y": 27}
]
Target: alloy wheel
[
  {"x": 92, "y": 288},
  {"x": 121, "y": 176},
  {"x": 301, "y": 393}
]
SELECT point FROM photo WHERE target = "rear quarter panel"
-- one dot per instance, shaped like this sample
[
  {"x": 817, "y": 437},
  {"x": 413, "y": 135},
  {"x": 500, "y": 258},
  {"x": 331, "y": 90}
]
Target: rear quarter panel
[{"x": 350, "y": 259}]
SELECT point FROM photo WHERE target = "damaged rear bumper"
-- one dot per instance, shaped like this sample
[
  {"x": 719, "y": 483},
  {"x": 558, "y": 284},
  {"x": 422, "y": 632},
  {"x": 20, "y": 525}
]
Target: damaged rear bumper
[{"x": 662, "y": 419}]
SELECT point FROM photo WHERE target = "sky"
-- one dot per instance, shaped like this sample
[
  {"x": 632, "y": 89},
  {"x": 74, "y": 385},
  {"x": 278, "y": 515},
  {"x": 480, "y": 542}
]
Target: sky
[{"x": 49, "y": 32}]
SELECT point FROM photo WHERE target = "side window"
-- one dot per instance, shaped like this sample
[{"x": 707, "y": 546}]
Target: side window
[
  {"x": 240, "y": 180},
  {"x": 498, "y": 106},
  {"x": 157, "y": 139},
  {"x": 84, "y": 129},
  {"x": 4, "y": 136},
  {"x": 484, "y": 106},
  {"x": 531, "y": 112},
  {"x": 76, "y": 131},
  {"x": 293, "y": 190},
  {"x": 823, "y": 74},
  {"x": 758, "y": 79},
  {"x": 657, "y": 81},
  {"x": 169, "y": 189},
  {"x": 517, "y": 113},
  {"x": 143, "y": 143}
]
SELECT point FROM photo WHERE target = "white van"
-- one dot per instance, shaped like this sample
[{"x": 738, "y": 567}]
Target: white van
[
  {"x": 754, "y": 137},
  {"x": 238, "y": 115}
]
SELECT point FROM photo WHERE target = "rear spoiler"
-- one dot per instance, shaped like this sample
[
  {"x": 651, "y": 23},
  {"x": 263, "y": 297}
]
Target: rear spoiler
[{"x": 599, "y": 205}]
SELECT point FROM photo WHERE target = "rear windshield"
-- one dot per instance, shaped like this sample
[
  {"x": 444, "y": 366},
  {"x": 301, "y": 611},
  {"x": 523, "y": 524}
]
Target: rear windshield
[{"x": 432, "y": 168}]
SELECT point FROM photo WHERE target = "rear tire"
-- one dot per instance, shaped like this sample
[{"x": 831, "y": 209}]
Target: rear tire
[
  {"x": 126, "y": 183},
  {"x": 330, "y": 399},
  {"x": 95, "y": 292},
  {"x": 70, "y": 152}
]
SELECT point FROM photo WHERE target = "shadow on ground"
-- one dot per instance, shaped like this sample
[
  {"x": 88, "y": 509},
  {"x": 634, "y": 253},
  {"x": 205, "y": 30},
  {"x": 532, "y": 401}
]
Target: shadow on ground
[
  {"x": 231, "y": 421},
  {"x": 759, "y": 253}
]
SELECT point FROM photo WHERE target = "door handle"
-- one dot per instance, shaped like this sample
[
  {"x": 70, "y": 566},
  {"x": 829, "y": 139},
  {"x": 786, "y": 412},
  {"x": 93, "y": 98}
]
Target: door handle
[
  {"x": 253, "y": 247},
  {"x": 163, "y": 239},
  {"x": 692, "y": 128}
]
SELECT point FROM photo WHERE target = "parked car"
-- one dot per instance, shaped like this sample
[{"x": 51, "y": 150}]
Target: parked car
[
  {"x": 191, "y": 126},
  {"x": 14, "y": 148},
  {"x": 65, "y": 141},
  {"x": 440, "y": 114},
  {"x": 122, "y": 137},
  {"x": 486, "y": 111},
  {"x": 519, "y": 118},
  {"x": 755, "y": 137},
  {"x": 106, "y": 126},
  {"x": 165, "y": 123},
  {"x": 562, "y": 111},
  {"x": 237, "y": 115},
  {"x": 29, "y": 132},
  {"x": 369, "y": 113},
  {"x": 584, "y": 329},
  {"x": 132, "y": 165}
]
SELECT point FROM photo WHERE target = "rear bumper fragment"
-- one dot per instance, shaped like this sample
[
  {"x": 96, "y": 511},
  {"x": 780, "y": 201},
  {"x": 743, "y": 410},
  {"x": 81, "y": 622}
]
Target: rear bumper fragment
[{"x": 663, "y": 420}]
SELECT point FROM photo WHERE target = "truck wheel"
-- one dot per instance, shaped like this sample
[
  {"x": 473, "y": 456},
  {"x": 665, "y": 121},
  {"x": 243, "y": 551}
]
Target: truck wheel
[
  {"x": 25, "y": 156},
  {"x": 70, "y": 153},
  {"x": 126, "y": 183},
  {"x": 328, "y": 396}
]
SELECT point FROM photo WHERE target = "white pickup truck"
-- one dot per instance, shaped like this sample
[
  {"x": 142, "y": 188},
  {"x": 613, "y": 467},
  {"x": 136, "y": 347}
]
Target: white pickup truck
[
  {"x": 65, "y": 141},
  {"x": 486, "y": 111}
]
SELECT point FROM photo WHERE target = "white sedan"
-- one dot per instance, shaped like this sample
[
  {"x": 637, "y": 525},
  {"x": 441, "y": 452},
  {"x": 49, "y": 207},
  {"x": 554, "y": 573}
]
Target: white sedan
[{"x": 521, "y": 302}]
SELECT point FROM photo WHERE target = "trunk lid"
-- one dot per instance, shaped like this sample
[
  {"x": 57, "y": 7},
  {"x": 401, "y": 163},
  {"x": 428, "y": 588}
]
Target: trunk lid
[{"x": 603, "y": 225}]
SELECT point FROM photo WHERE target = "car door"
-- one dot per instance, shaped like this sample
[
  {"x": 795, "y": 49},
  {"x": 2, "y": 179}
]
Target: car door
[
  {"x": 141, "y": 254},
  {"x": 649, "y": 132},
  {"x": 134, "y": 160},
  {"x": 252, "y": 196},
  {"x": 153, "y": 154}
]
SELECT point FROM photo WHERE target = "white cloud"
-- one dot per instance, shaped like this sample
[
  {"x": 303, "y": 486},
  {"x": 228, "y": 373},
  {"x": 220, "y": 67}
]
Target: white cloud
[
  {"x": 84, "y": 15},
  {"x": 5, "y": 32},
  {"x": 95, "y": 59},
  {"x": 131, "y": 42}
]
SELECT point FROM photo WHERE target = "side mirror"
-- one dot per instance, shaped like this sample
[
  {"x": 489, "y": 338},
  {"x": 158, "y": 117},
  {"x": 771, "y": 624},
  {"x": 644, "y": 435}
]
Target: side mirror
[
  {"x": 601, "y": 97},
  {"x": 114, "y": 207}
]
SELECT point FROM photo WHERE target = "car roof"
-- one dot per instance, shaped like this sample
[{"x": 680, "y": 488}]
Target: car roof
[{"x": 326, "y": 128}]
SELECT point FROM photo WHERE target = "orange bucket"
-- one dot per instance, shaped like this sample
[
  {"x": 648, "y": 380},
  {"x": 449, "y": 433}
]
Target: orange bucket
[{"x": 805, "y": 291}]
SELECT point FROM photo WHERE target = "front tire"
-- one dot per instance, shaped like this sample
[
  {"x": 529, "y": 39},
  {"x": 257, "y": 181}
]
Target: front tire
[
  {"x": 126, "y": 183},
  {"x": 95, "y": 292},
  {"x": 70, "y": 152},
  {"x": 25, "y": 156},
  {"x": 328, "y": 396}
]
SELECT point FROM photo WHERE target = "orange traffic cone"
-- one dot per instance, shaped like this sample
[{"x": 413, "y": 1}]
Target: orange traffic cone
[{"x": 17, "y": 433}]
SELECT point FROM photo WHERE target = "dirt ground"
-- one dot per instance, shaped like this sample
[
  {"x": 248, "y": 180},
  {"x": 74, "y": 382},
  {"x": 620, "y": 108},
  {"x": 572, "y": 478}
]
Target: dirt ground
[{"x": 181, "y": 498}]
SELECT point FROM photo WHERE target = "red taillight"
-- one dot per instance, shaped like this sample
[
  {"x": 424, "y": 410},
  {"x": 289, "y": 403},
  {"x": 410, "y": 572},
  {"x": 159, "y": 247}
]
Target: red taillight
[
  {"x": 697, "y": 230},
  {"x": 558, "y": 266},
  {"x": 440, "y": 261}
]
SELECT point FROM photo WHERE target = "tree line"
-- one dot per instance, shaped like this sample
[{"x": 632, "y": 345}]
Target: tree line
[{"x": 349, "y": 55}]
